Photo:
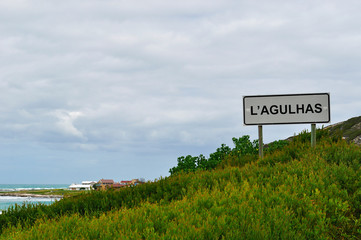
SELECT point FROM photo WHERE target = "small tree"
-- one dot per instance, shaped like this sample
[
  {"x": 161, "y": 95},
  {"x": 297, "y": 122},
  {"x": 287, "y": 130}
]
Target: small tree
[{"x": 243, "y": 146}]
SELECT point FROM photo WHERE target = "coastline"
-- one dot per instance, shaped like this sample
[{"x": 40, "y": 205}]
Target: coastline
[{"x": 30, "y": 195}]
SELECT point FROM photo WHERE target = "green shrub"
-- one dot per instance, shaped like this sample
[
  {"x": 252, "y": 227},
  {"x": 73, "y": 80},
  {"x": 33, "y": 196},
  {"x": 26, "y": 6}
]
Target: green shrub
[
  {"x": 294, "y": 192},
  {"x": 242, "y": 147}
]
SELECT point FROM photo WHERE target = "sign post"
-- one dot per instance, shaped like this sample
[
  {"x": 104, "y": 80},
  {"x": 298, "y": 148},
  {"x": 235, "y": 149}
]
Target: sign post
[
  {"x": 260, "y": 141},
  {"x": 313, "y": 135},
  {"x": 286, "y": 109}
]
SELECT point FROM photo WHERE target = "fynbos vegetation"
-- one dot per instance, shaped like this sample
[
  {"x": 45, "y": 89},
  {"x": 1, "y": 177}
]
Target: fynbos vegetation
[{"x": 294, "y": 192}]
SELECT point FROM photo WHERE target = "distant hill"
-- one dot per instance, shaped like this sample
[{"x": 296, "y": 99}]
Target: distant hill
[{"x": 349, "y": 130}]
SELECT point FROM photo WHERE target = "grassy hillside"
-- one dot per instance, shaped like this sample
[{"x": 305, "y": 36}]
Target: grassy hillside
[
  {"x": 294, "y": 192},
  {"x": 349, "y": 130}
]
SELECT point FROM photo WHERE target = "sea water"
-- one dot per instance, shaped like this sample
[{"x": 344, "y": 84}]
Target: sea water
[{"x": 8, "y": 201}]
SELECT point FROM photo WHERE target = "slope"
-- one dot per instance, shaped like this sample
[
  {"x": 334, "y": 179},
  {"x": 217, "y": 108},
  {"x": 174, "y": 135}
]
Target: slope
[
  {"x": 296, "y": 192},
  {"x": 349, "y": 130}
]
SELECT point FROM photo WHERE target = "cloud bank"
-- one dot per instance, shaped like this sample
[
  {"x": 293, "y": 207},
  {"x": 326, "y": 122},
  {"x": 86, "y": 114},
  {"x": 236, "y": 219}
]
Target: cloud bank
[{"x": 120, "y": 89}]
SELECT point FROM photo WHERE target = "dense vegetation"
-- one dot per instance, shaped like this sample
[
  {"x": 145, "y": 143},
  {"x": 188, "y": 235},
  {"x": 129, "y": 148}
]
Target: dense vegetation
[
  {"x": 242, "y": 146},
  {"x": 294, "y": 192}
]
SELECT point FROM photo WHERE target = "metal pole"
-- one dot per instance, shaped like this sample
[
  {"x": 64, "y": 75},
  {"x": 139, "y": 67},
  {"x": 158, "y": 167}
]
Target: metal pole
[
  {"x": 313, "y": 134},
  {"x": 260, "y": 141}
]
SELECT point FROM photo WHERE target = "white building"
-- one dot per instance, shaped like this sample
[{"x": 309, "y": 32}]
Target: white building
[{"x": 85, "y": 185}]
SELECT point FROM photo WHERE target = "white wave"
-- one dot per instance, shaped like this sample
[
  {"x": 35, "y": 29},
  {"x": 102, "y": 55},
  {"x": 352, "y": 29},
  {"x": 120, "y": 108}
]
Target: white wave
[{"x": 11, "y": 198}]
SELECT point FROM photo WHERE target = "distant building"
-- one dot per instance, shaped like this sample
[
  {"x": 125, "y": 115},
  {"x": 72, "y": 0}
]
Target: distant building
[
  {"x": 104, "y": 184},
  {"x": 138, "y": 181},
  {"x": 134, "y": 182},
  {"x": 85, "y": 185},
  {"x": 88, "y": 182},
  {"x": 125, "y": 183},
  {"x": 117, "y": 185},
  {"x": 106, "y": 181}
]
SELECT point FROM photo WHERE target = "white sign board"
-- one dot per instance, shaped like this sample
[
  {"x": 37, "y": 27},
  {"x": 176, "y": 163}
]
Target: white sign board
[{"x": 286, "y": 109}]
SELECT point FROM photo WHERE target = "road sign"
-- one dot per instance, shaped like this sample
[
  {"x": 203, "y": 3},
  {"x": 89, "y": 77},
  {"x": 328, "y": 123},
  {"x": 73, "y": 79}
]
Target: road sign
[{"x": 286, "y": 109}]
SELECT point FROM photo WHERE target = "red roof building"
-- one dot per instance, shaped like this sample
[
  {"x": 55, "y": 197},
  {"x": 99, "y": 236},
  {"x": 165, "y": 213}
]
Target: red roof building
[
  {"x": 117, "y": 185},
  {"x": 106, "y": 181}
]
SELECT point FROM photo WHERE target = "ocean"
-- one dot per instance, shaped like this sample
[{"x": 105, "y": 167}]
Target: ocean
[{"x": 7, "y": 201}]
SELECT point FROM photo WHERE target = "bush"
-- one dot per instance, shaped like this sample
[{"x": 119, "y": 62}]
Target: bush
[{"x": 242, "y": 147}]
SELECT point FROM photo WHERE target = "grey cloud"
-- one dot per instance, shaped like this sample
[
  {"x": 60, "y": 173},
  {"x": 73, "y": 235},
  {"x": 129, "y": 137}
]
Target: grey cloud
[{"x": 139, "y": 82}]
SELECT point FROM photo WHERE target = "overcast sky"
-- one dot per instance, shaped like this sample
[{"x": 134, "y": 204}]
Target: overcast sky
[{"x": 120, "y": 89}]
